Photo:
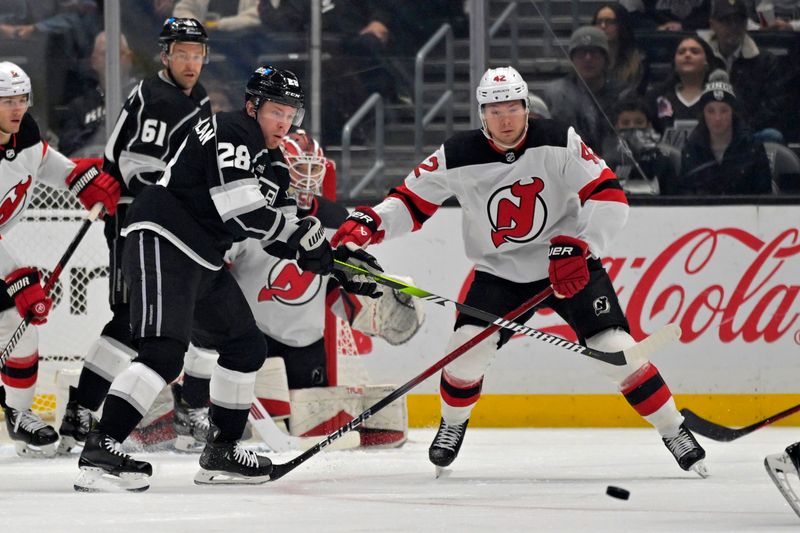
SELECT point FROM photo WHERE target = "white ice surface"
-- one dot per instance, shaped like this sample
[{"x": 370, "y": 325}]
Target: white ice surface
[{"x": 503, "y": 481}]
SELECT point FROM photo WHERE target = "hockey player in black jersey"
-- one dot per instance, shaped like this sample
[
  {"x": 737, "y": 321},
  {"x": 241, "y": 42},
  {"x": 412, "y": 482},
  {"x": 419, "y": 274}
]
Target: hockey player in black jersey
[
  {"x": 539, "y": 209},
  {"x": 156, "y": 117},
  {"x": 227, "y": 182}
]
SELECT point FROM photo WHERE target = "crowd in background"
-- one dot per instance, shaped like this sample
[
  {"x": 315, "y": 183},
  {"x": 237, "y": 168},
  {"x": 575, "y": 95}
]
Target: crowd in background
[{"x": 678, "y": 96}]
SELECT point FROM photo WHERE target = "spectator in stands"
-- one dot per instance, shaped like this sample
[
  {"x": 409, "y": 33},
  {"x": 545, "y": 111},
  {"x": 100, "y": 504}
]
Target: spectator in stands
[
  {"x": 634, "y": 152},
  {"x": 536, "y": 107},
  {"x": 82, "y": 131},
  {"x": 787, "y": 15},
  {"x": 222, "y": 15},
  {"x": 575, "y": 98},
  {"x": 141, "y": 21},
  {"x": 755, "y": 74},
  {"x": 721, "y": 157},
  {"x": 669, "y": 15},
  {"x": 678, "y": 98},
  {"x": 626, "y": 62}
]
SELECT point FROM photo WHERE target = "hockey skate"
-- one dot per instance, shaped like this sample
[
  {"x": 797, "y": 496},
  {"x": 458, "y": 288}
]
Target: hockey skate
[
  {"x": 227, "y": 463},
  {"x": 781, "y": 464},
  {"x": 31, "y": 436},
  {"x": 445, "y": 446},
  {"x": 687, "y": 451},
  {"x": 75, "y": 425},
  {"x": 104, "y": 468},
  {"x": 191, "y": 423}
]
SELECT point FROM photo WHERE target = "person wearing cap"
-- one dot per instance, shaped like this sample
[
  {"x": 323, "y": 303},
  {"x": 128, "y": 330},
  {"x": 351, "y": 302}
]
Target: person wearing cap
[
  {"x": 755, "y": 74},
  {"x": 720, "y": 155},
  {"x": 537, "y": 108},
  {"x": 582, "y": 97}
]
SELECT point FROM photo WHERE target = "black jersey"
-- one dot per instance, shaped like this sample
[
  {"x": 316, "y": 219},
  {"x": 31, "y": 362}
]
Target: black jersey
[
  {"x": 223, "y": 185},
  {"x": 154, "y": 120}
]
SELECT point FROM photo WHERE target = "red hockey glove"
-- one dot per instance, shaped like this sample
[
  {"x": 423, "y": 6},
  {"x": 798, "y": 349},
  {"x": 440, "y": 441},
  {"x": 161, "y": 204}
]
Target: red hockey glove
[
  {"x": 569, "y": 272},
  {"x": 360, "y": 228},
  {"x": 92, "y": 185},
  {"x": 25, "y": 287},
  {"x": 314, "y": 252}
]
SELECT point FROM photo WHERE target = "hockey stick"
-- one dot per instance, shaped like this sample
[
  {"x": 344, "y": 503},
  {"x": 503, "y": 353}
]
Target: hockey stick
[
  {"x": 665, "y": 335},
  {"x": 721, "y": 433},
  {"x": 279, "y": 441},
  {"x": 280, "y": 470},
  {"x": 51, "y": 280}
]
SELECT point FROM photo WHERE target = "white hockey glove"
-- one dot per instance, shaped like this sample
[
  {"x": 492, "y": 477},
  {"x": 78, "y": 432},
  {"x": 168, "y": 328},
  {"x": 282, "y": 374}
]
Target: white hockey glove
[
  {"x": 357, "y": 283},
  {"x": 395, "y": 317}
]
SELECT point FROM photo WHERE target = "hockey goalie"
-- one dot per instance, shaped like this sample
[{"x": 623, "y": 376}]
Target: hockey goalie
[{"x": 298, "y": 386}]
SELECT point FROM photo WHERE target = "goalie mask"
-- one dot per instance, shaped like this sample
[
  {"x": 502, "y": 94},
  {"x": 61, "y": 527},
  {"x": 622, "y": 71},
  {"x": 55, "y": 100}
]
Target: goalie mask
[
  {"x": 307, "y": 166},
  {"x": 14, "y": 81}
]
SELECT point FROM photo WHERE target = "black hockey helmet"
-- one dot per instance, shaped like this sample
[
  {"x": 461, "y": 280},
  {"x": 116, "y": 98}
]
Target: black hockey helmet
[
  {"x": 271, "y": 84},
  {"x": 187, "y": 30}
]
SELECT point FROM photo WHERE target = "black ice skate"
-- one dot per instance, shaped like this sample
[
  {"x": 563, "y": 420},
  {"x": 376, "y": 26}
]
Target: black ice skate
[
  {"x": 227, "y": 463},
  {"x": 31, "y": 436},
  {"x": 687, "y": 451},
  {"x": 779, "y": 466},
  {"x": 76, "y": 424},
  {"x": 445, "y": 446},
  {"x": 191, "y": 423},
  {"x": 104, "y": 468}
]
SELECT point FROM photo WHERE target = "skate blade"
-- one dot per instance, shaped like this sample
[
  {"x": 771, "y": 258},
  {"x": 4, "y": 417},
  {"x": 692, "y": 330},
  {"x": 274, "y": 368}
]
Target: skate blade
[
  {"x": 442, "y": 472},
  {"x": 47, "y": 451},
  {"x": 92, "y": 479},
  {"x": 701, "y": 469},
  {"x": 778, "y": 466},
  {"x": 66, "y": 445},
  {"x": 220, "y": 477},
  {"x": 188, "y": 444}
]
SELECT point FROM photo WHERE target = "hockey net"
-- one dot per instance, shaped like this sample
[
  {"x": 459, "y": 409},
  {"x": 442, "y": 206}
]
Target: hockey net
[{"x": 80, "y": 308}]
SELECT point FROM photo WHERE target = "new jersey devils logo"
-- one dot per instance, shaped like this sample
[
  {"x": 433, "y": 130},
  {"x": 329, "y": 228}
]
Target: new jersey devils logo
[
  {"x": 517, "y": 212},
  {"x": 13, "y": 198},
  {"x": 289, "y": 285}
]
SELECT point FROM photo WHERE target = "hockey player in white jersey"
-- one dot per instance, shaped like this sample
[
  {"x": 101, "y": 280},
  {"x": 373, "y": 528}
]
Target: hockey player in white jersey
[
  {"x": 539, "y": 208},
  {"x": 26, "y": 159}
]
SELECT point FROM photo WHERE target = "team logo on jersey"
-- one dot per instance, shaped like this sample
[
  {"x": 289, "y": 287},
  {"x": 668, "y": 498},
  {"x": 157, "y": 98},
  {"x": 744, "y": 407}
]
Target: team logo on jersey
[
  {"x": 601, "y": 306},
  {"x": 13, "y": 199},
  {"x": 517, "y": 212},
  {"x": 289, "y": 285}
]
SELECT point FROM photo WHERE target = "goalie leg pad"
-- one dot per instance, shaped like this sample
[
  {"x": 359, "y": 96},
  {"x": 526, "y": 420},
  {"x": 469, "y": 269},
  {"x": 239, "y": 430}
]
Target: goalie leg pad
[
  {"x": 108, "y": 357},
  {"x": 272, "y": 388},
  {"x": 322, "y": 410},
  {"x": 138, "y": 385},
  {"x": 199, "y": 362},
  {"x": 388, "y": 428}
]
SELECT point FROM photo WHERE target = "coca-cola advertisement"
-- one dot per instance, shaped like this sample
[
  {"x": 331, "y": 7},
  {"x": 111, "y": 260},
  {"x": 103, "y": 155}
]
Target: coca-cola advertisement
[{"x": 729, "y": 276}]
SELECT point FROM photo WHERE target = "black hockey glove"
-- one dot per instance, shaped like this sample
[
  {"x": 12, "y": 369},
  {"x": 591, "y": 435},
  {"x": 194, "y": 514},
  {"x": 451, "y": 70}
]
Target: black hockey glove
[
  {"x": 314, "y": 252},
  {"x": 357, "y": 283}
]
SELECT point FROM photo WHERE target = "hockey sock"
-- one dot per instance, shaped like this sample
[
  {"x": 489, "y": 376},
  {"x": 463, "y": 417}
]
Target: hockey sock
[
  {"x": 19, "y": 376},
  {"x": 650, "y": 396},
  {"x": 195, "y": 390},
  {"x": 119, "y": 418},
  {"x": 458, "y": 399},
  {"x": 230, "y": 422},
  {"x": 92, "y": 389}
]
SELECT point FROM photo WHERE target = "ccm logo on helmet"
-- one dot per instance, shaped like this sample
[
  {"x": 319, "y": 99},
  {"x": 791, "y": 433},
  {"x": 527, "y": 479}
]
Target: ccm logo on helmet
[{"x": 562, "y": 250}]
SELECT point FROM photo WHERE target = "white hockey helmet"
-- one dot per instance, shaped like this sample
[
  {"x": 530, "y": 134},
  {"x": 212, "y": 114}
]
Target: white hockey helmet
[
  {"x": 500, "y": 85},
  {"x": 14, "y": 81},
  {"x": 307, "y": 166}
]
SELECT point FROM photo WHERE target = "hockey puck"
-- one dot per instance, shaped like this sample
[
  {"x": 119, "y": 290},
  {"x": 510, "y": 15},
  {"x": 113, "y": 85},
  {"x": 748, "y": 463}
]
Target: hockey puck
[{"x": 617, "y": 492}]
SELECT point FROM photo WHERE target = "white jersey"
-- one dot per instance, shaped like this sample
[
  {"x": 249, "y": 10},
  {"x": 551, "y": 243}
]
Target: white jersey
[
  {"x": 287, "y": 303},
  {"x": 24, "y": 161},
  {"x": 513, "y": 201}
]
